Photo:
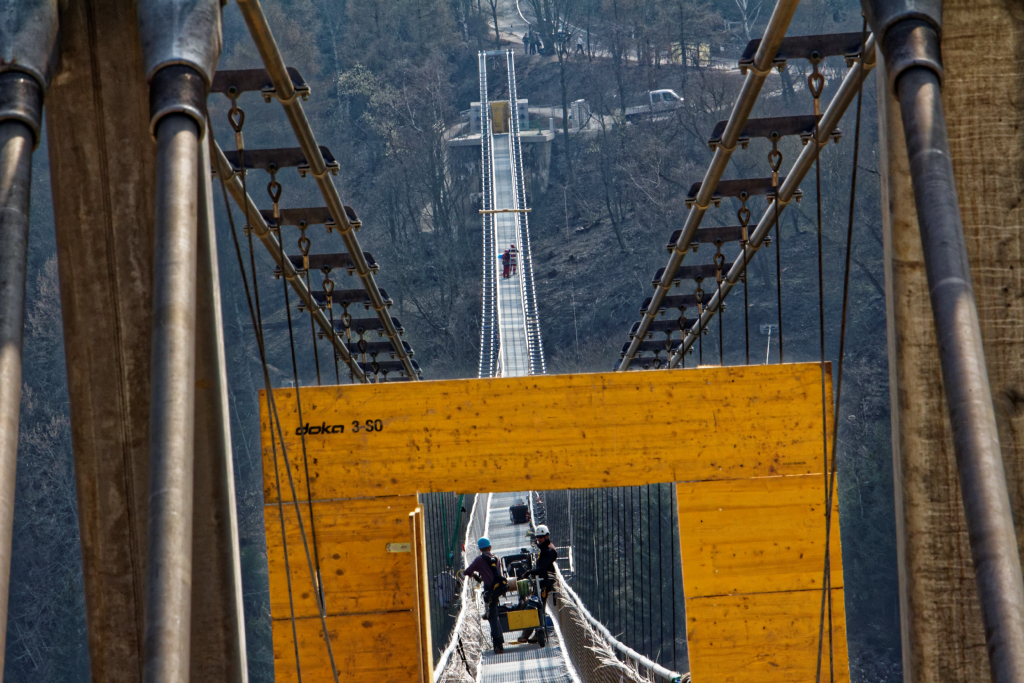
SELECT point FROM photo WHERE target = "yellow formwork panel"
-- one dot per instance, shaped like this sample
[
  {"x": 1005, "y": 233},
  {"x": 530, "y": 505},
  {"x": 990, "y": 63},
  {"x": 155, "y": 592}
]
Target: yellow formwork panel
[
  {"x": 368, "y": 648},
  {"x": 359, "y": 573},
  {"x": 588, "y": 430},
  {"x": 421, "y": 585},
  {"x": 753, "y": 557},
  {"x": 754, "y": 535},
  {"x": 764, "y": 637},
  {"x": 368, "y": 589},
  {"x": 499, "y": 118}
]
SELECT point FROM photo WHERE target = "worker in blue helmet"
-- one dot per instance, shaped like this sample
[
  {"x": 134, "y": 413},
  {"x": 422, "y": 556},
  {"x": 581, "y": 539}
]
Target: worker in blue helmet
[{"x": 487, "y": 569}]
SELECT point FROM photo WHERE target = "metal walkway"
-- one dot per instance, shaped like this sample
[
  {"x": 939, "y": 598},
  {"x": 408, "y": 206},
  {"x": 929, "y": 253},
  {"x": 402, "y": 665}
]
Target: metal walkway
[
  {"x": 510, "y": 347},
  {"x": 510, "y": 340},
  {"x": 520, "y": 663},
  {"x": 514, "y": 344}
]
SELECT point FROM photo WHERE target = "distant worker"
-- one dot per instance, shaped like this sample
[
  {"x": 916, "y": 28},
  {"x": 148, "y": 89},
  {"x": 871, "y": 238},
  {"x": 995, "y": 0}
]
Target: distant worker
[
  {"x": 506, "y": 260},
  {"x": 526, "y": 42},
  {"x": 545, "y": 570},
  {"x": 513, "y": 258},
  {"x": 579, "y": 44},
  {"x": 534, "y": 44},
  {"x": 487, "y": 569}
]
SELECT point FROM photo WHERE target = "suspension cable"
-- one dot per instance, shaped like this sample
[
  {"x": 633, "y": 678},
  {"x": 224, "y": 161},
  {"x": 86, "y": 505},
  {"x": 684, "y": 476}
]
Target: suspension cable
[
  {"x": 302, "y": 436},
  {"x": 849, "y": 88},
  {"x": 830, "y": 491},
  {"x": 272, "y": 408}
]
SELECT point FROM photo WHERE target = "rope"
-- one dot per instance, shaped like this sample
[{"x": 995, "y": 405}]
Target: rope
[
  {"x": 830, "y": 491},
  {"x": 827, "y": 582},
  {"x": 312, "y": 332},
  {"x": 778, "y": 269},
  {"x": 318, "y": 584},
  {"x": 257, "y": 322}
]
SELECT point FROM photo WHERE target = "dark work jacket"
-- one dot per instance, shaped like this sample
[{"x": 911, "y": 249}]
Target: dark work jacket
[
  {"x": 546, "y": 562},
  {"x": 489, "y": 570}
]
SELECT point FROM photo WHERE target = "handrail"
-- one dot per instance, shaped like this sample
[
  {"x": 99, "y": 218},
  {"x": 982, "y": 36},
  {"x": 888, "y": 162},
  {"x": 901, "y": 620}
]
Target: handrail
[
  {"x": 490, "y": 329},
  {"x": 289, "y": 99},
  {"x": 829, "y": 121},
  {"x": 526, "y": 247},
  {"x": 756, "y": 75},
  {"x": 654, "y": 667},
  {"x": 523, "y": 252},
  {"x": 667, "y": 674},
  {"x": 442, "y": 661},
  {"x": 231, "y": 180}
]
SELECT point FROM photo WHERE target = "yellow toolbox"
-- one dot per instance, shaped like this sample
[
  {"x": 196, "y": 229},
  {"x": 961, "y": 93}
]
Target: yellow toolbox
[{"x": 522, "y": 618}]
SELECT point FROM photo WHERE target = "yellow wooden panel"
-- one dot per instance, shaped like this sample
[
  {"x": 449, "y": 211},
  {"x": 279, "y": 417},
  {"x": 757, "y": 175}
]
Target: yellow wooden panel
[
  {"x": 421, "y": 582},
  {"x": 368, "y": 648},
  {"x": 764, "y": 638},
  {"x": 499, "y": 118},
  {"x": 756, "y": 535},
  {"x": 589, "y": 430},
  {"x": 359, "y": 574}
]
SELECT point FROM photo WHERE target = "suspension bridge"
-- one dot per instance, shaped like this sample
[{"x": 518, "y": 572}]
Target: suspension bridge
[{"x": 694, "y": 513}]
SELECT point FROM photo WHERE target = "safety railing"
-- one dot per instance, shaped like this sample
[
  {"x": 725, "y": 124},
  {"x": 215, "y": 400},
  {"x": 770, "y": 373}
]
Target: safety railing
[
  {"x": 848, "y": 89},
  {"x": 291, "y": 101},
  {"x": 462, "y": 654},
  {"x": 489, "y": 321},
  {"x": 755, "y": 78},
  {"x": 537, "y": 362}
]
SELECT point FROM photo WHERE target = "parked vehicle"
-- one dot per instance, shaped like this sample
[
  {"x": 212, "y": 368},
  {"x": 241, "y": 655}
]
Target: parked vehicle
[{"x": 658, "y": 101}]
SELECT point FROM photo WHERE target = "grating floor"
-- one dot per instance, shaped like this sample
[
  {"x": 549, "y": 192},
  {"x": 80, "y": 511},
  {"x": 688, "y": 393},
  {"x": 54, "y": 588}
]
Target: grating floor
[
  {"x": 520, "y": 663},
  {"x": 515, "y": 349}
]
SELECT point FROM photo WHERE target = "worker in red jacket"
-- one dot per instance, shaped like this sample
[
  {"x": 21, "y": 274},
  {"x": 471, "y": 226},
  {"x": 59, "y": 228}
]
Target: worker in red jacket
[{"x": 505, "y": 260}]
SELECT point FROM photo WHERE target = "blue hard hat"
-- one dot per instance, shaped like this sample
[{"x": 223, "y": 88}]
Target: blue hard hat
[{"x": 483, "y": 543}]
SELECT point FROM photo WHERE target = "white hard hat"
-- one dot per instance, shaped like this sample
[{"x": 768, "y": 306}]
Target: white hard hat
[{"x": 542, "y": 530}]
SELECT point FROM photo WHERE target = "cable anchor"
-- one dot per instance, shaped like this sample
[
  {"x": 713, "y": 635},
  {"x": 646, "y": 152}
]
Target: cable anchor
[
  {"x": 816, "y": 82},
  {"x": 274, "y": 190}
]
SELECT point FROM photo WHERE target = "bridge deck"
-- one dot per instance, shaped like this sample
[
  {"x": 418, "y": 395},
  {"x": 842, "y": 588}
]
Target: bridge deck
[
  {"x": 515, "y": 349},
  {"x": 520, "y": 663}
]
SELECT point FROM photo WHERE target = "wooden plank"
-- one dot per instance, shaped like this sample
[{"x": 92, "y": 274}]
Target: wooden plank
[
  {"x": 756, "y": 535},
  {"x": 764, "y": 638},
  {"x": 368, "y": 648},
  {"x": 590, "y": 430},
  {"x": 421, "y": 583},
  {"x": 358, "y": 573}
]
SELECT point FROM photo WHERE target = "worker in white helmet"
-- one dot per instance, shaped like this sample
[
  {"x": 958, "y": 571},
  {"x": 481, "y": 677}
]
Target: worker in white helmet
[{"x": 545, "y": 570}]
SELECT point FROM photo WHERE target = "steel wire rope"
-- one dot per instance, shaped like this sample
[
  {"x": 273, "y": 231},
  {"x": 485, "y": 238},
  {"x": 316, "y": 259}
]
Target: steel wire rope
[
  {"x": 815, "y": 83},
  {"x": 831, "y": 471},
  {"x": 850, "y": 87},
  {"x": 289, "y": 98},
  {"x": 257, "y": 322},
  {"x": 330, "y": 314},
  {"x": 778, "y": 270},
  {"x": 302, "y": 436},
  {"x": 650, "y": 572},
  {"x": 256, "y": 319},
  {"x": 675, "y": 550},
  {"x": 660, "y": 573},
  {"x": 312, "y": 332},
  {"x": 238, "y": 124},
  {"x": 632, "y": 563}
]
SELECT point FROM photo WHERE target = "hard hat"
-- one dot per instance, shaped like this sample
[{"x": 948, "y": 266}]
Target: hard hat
[
  {"x": 542, "y": 530},
  {"x": 483, "y": 543}
]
